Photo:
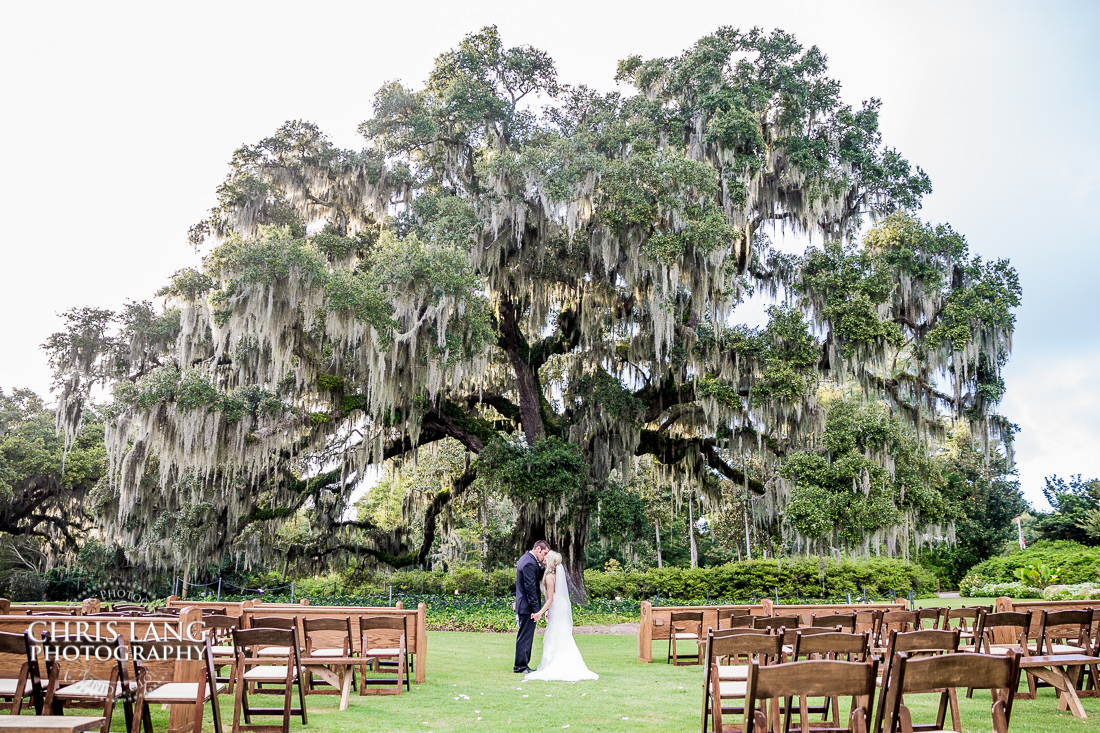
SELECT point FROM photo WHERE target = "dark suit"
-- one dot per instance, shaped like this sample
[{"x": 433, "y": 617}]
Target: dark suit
[{"x": 528, "y": 601}]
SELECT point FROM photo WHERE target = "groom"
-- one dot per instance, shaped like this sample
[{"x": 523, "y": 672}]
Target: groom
[{"x": 528, "y": 602}]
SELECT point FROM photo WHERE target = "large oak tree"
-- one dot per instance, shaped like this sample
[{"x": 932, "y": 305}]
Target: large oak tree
[{"x": 551, "y": 276}]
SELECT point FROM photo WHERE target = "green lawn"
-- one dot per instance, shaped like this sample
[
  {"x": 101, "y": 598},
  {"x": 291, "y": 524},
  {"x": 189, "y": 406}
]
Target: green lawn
[{"x": 471, "y": 687}]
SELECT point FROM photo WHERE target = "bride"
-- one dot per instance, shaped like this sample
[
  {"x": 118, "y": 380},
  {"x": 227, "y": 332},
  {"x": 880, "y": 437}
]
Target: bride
[{"x": 561, "y": 659}]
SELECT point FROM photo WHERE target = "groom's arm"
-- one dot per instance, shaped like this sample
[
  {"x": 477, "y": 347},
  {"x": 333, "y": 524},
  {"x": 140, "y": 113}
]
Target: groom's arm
[{"x": 531, "y": 585}]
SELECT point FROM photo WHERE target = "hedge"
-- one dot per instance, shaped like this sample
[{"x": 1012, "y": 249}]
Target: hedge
[
  {"x": 794, "y": 578},
  {"x": 1078, "y": 563}
]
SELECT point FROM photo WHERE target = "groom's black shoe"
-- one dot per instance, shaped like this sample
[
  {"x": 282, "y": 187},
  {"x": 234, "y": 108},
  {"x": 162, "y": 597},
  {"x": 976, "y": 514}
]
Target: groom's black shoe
[{"x": 525, "y": 670}]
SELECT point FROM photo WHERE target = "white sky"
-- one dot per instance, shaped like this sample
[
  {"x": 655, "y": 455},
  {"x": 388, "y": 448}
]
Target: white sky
[{"x": 119, "y": 119}]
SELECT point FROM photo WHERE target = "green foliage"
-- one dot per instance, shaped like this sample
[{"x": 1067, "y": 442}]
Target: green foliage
[
  {"x": 1076, "y": 563},
  {"x": 1038, "y": 576},
  {"x": 988, "y": 498},
  {"x": 842, "y": 491},
  {"x": 810, "y": 577},
  {"x": 1075, "y": 514},
  {"x": 550, "y": 471}
]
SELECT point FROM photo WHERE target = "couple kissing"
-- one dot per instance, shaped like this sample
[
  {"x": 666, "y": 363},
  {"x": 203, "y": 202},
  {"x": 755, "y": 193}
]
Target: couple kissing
[{"x": 561, "y": 659}]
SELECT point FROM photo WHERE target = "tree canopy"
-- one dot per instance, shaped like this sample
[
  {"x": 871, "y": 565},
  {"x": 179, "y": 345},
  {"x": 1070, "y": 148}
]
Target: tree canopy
[{"x": 551, "y": 276}]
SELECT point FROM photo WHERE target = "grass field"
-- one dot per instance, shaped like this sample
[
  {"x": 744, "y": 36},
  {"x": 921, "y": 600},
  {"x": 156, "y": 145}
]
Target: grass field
[{"x": 471, "y": 687}]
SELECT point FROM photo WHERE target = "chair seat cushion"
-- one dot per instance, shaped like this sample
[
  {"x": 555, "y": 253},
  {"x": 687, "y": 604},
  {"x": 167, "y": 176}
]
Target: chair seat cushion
[
  {"x": 7, "y": 687},
  {"x": 90, "y": 689},
  {"x": 1067, "y": 649},
  {"x": 732, "y": 688},
  {"x": 269, "y": 673},
  {"x": 382, "y": 652},
  {"x": 332, "y": 652},
  {"x": 733, "y": 671},
  {"x": 684, "y": 635},
  {"x": 178, "y": 692},
  {"x": 274, "y": 651},
  {"x": 223, "y": 651}
]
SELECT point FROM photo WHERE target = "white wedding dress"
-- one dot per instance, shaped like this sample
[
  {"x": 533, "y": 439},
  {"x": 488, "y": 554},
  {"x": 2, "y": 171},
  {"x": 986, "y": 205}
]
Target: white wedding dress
[{"x": 561, "y": 659}]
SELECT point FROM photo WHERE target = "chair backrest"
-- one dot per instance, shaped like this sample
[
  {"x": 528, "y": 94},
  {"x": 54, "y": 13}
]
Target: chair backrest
[
  {"x": 692, "y": 620},
  {"x": 997, "y": 672},
  {"x": 811, "y": 678},
  {"x": 869, "y": 620},
  {"x": 924, "y": 641},
  {"x": 1006, "y": 628},
  {"x": 272, "y": 622},
  {"x": 249, "y": 641},
  {"x": 964, "y": 615},
  {"x": 933, "y": 614},
  {"x": 831, "y": 645},
  {"x": 382, "y": 630},
  {"x": 790, "y": 634},
  {"x": 220, "y": 628},
  {"x": 846, "y": 621},
  {"x": 901, "y": 621},
  {"x": 1074, "y": 626},
  {"x": 764, "y": 622},
  {"x": 728, "y": 644},
  {"x": 730, "y": 617},
  {"x": 327, "y": 632},
  {"x": 743, "y": 621}
]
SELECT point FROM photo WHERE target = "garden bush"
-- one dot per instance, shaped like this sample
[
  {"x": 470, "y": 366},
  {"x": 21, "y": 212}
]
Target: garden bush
[
  {"x": 808, "y": 578},
  {"x": 1076, "y": 563}
]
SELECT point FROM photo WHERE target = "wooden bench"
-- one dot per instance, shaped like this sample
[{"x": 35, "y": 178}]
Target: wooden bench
[
  {"x": 654, "y": 624},
  {"x": 231, "y": 608},
  {"x": 416, "y": 618},
  {"x": 188, "y": 623},
  {"x": 7, "y": 608}
]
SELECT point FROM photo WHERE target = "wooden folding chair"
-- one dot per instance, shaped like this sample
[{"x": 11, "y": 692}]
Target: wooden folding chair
[
  {"x": 17, "y": 652},
  {"x": 922, "y": 642},
  {"x": 846, "y": 621},
  {"x": 383, "y": 639},
  {"x": 823, "y": 643},
  {"x": 684, "y": 627},
  {"x": 192, "y": 680},
  {"x": 87, "y": 671},
  {"x": 326, "y": 637},
  {"x": 999, "y": 673},
  {"x": 729, "y": 672},
  {"x": 255, "y": 668},
  {"x": 769, "y": 686},
  {"x": 219, "y": 627},
  {"x": 1068, "y": 632},
  {"x": 729, "y": 653},
  {"x": 998, "y": 633}
]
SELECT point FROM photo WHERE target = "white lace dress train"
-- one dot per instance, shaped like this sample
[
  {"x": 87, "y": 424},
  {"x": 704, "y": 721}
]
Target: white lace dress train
[{"x": 561, "y": 659}]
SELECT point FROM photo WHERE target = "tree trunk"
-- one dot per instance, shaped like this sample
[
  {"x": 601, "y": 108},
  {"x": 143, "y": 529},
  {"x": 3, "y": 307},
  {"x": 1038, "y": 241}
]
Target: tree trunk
[
  {"x": 527, "y": 379},
  {"x": 691, "y": 535},
  {"x": 657, "y": 529},
  {"x": 534, "y": 522}
]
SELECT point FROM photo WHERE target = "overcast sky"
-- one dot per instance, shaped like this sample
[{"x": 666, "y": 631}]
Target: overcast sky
[{"x": 119, "y": 119}]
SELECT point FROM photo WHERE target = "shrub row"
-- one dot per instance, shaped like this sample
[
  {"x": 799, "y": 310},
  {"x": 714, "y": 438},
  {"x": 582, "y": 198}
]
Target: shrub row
[
  {"x": 1076, "y": 563},
  {"x": 744, "y": 581}
]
